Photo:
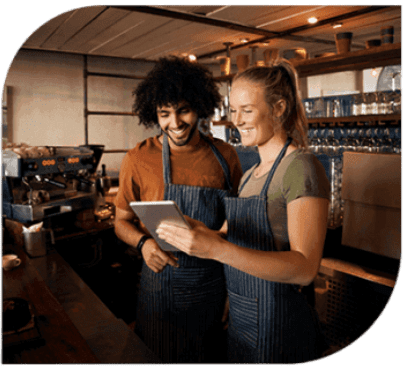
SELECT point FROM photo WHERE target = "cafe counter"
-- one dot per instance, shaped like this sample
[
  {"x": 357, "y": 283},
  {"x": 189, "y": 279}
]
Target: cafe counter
[{"x": 70, "y": 323}]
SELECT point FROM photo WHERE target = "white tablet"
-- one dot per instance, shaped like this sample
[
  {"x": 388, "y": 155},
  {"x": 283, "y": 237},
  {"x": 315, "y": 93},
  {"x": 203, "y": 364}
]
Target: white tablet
[{"x": 153, "y": 213}]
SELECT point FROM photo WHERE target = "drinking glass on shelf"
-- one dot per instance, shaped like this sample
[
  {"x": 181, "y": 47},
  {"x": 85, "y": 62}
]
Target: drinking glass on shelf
[
  {"x": 308, "y": 108},
  {"x": 318, "y": 107},
  {"x": 386, "y": 143},
  {"x": 397, "y": 141},
  {"x": 396, "y": 102},
  {"x": 336, "y": 107},
  {"x": 368, "y": 143},
  {"x": 350, "y": 142},
  {"x": 357, "y": 104},
  {"x": 383, "y": 103},
  {"x": 372, "y": 103},
  {"x": 332, "y": 146}
]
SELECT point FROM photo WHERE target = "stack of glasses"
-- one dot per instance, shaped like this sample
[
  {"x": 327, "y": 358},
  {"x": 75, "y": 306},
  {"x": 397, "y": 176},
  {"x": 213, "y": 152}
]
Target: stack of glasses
[
  {"x": 329, "y": 145},
  {"x": 371, "y": 103}
]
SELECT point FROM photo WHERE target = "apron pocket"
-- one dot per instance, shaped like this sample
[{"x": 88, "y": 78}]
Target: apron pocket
[
  {"x": 244, "y": 318},
  {"x": 196, "y": 287}
]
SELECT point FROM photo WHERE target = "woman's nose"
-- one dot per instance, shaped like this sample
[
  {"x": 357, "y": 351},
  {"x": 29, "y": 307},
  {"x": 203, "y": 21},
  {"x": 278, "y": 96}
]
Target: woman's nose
[{"x": 236, "y": 118}]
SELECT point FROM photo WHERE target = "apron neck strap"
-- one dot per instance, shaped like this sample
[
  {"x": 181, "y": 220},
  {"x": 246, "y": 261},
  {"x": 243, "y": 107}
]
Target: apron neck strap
[
  {"x": 264, "y": 190},
  {"x": 167, "y": 162}
]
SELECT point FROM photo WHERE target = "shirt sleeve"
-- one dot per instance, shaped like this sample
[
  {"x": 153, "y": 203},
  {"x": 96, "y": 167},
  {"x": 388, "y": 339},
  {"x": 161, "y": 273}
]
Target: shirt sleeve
[
  {"x": 305, "y": 176},
  {"x": 128, "y": 187},
  {"x": 236, "y": 171}
]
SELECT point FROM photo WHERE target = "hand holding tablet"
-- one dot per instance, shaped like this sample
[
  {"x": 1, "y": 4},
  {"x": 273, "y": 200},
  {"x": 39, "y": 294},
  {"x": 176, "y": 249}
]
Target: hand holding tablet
[{"x": 156, "y": 212}]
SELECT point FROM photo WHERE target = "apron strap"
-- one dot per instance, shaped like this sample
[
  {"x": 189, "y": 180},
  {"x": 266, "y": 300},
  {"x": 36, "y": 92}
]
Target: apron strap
[
  {"x": 271, "y": 173},
  {"x": 216, "y": 152},
  {"x": 264, "y": 190}
]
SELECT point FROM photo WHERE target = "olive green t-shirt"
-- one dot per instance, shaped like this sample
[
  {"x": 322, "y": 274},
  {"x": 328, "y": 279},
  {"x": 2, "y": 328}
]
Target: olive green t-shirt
[{"x": 299, "y": 174}]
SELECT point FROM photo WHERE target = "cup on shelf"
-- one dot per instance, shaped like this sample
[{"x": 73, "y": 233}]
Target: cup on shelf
[
  {"x": 373, "y": 43},
  {"x": 387, "y": 35},
  {"x": 225, "y": 66},
  {"x": 242, "y": 61},
  {"x": 295, "y": 54},
  {"x": 270, "y": 55},
  {"x": 343, "y": 41}
]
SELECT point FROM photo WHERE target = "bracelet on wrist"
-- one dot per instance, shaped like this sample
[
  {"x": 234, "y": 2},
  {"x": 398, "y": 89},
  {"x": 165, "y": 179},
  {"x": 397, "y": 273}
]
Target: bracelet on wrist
[{"x": 141, "y": 242}]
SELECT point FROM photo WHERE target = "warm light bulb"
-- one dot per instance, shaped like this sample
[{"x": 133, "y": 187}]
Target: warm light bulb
[
  {"x": 312, "y": 20},
  {"x": 192, "y": 57},
  {"x": 337, "y": 25}
]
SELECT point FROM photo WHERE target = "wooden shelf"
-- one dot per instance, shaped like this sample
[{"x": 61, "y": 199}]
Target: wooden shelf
[
  {"x": 223, "y": 122},
  {"x": 385, "y": 55},
  {"x": 372, "y": 120},
  {"x": 332, "y": 264}
]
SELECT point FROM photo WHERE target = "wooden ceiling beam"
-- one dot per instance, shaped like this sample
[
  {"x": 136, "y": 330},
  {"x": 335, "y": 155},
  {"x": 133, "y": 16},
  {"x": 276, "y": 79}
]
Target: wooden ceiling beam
[
  {"x": 267, "y": 34},
  {"x": 285, "y": 33}
]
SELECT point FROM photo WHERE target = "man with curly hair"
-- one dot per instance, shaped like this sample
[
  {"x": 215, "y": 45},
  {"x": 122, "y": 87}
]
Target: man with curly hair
[{"x": 182, "y": 299}]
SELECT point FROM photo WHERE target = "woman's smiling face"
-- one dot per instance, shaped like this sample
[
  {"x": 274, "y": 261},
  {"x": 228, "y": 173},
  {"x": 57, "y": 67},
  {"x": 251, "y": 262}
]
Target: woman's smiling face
[{"x": 250, "y": 113}]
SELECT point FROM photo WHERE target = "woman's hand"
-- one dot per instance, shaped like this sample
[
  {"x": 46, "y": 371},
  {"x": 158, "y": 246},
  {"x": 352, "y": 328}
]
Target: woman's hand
[
  {"x": 157, "y": 259},
  {"x": 199, "y": 241}
]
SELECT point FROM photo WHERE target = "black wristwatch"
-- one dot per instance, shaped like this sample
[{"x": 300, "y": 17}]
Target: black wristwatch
[{"x": 141, "y": 242}]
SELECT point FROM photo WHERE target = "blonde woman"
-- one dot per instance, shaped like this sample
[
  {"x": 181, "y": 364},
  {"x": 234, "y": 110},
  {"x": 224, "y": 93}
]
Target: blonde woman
[{"x": 272, "y": 241}]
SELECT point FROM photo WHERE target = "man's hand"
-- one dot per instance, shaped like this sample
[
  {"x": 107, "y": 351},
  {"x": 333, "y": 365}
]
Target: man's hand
[{"x": 157, "y": 259}]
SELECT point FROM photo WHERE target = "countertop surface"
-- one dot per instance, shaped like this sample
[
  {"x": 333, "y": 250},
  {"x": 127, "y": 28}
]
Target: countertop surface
[{"x": 75, "y": 325}]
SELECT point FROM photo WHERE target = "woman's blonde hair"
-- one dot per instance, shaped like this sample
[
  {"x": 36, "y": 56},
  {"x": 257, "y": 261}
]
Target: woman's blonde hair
[{"x": 280, "y": 81}]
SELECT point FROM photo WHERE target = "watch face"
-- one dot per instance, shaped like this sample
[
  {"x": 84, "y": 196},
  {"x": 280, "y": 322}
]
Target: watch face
[{"x": 389, "y": 78}]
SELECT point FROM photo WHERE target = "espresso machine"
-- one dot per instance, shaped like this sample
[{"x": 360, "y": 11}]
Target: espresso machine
[{"x": 43, "y": 182}]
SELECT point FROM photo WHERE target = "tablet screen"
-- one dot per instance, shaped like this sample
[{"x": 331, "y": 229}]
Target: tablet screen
[{"x": 153, "y": 213}]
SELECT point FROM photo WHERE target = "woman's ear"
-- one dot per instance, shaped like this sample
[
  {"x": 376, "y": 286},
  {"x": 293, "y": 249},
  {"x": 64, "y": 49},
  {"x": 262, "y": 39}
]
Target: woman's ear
[{"x": 279, "y": 108}]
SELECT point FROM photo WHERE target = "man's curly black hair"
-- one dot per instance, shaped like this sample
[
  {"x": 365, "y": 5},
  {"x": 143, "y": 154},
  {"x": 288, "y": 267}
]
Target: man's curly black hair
[{"x": 172, "y": 81}]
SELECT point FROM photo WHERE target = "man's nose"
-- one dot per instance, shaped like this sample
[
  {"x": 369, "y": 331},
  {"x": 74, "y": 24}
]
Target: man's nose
[{"x": 176, "y": 121}]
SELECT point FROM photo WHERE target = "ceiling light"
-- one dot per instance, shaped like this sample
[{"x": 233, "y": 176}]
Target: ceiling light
[
  {"x": 192, "y": 57},
  {"x": 312, "y": 20},
  {"x": 244, "y": 40},
  {"x": 337, "y": 25}
]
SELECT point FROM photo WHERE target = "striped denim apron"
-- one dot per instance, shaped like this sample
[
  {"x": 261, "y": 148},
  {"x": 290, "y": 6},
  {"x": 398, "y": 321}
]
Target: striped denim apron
[
  {"x": 180, "y": 309},
  {"x": 269, "y": 322}
]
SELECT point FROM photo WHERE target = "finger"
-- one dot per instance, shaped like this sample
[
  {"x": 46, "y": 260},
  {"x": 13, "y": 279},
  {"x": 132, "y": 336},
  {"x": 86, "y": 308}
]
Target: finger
[
  {"x": 155, "y": 268},
  {"x": 193, "y": 223},
  {"x": 172, "y": 260},
  {"x": 172, "y": 235}
]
